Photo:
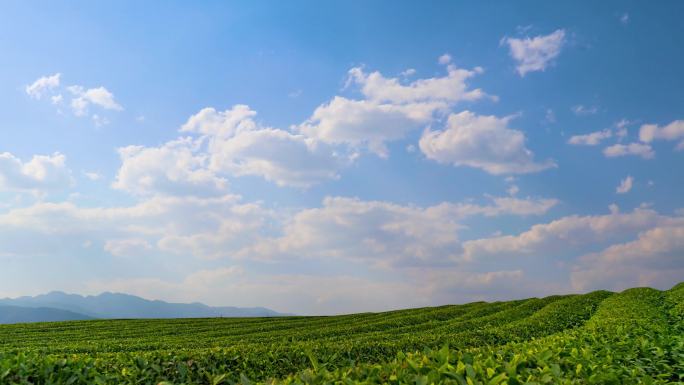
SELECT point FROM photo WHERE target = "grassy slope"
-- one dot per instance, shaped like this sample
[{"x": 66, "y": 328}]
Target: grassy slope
[{"x": 586, "y": 339}]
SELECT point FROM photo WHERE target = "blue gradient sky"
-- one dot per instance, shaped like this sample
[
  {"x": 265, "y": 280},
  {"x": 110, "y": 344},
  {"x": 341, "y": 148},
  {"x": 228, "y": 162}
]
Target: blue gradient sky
[{"x": 306, "y": 210}]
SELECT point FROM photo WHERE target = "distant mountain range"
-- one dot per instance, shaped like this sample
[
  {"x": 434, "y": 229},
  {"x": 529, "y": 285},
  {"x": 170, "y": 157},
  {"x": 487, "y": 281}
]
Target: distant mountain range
[
  {"x": 17, "y": 314},
  {"x": 59, "y": 306}
]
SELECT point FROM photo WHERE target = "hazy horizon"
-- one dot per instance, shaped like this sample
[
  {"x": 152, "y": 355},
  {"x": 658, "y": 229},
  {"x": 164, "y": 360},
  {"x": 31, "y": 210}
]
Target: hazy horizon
[{"x": 343, "y": 158}]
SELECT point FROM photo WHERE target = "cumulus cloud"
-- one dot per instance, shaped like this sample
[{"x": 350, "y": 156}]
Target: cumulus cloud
[
  {"x": 506, "y": 206},
  {"x": 671, "y": 132},
  {"x": 360, "y": 123},
  {"x": 276, "y": 155},
  {"x": 40, "y": 174},
  {"x": 653, "y": 259},
  {"x": 42, "y": 85},
  {"x": 591, "y": 139},
  {"x": 513, "y": 190},
  {"x": 450, "y": 88},
  {"x": 535, "y": 54},
  {"x": 408, "y": 72},
  {"x": 390, "y": 109},
  {"x": 350, "y": 229},
  {"x": 564, "y": 235},
  {"x": 232, "y": 143},
  {"x": 625, "y": 185},
  {"x": 481, "y": 141},
  {"x": 385, "y": 233},
  {"x": 226, "y": 143},
  {"x": 92, "y": 175},
  {"x": 237, "y": 145},
  {"x": 173, "y": 168},
  {"x": 206, "y": 228},
  {"x": 81, "y": 98},
  {"x": 621, "y": 128},
  {"x": 99, "y": 96},
  {"x": 224, "y": 124},
  {"x": 637, "y": 149},
  {"x": 56, "y": 99}
]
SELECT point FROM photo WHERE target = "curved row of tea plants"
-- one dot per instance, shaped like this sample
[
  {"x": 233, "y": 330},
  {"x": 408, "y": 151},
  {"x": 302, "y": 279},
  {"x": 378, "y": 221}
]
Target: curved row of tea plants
[
  {"x": 634, "y": 338},
  {"x": 593, "y": 338}
]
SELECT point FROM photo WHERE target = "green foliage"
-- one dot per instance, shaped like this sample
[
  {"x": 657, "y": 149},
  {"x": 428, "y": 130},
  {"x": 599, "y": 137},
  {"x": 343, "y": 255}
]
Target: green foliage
[{"x": 597, "y": 338}]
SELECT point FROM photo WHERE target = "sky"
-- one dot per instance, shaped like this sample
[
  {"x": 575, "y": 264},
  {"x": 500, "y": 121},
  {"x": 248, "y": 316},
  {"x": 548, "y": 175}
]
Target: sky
[{"x": 345, "y": 157}]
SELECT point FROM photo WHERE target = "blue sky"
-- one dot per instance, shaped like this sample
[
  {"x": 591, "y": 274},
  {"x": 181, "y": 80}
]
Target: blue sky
[{"x": 357, "y": 156}]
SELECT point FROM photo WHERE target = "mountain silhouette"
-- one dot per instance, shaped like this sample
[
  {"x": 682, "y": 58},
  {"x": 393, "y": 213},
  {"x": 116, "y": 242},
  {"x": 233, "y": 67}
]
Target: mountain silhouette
[
  {"x": 118, "y": 306},
  {"x": 18, "y": 314}
]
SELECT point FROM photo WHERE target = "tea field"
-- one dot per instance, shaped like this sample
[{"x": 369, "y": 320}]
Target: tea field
[{"x": 632, "y": 337}]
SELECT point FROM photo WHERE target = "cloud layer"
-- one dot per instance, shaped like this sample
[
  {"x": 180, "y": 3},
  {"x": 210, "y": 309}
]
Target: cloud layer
[
  {"x": 536, "y": 53},
  {"x": 484, "y": 142},
  {"x": 40, "y": 174}
]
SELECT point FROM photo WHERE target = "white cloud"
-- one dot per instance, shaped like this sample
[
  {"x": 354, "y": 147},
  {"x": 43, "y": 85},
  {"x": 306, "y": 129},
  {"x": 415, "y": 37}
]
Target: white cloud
[
  {"x": 483, "y": 142},
  {"x": 565, "y": 235},
  {"x": 653, "y": 259},
  {"x": 222, "y": 124},
  {"x": 42, "y": 173},
  {"x": 174, "y": 168},
  {"x": 591, "y": 139},
  {"x": 513, "y": 190},
  {"x": 621, "y": 128},
  {"x": 581, "y": 110},
  {"x": 535, "y": 54},
  {"x": 226, "y": 143},
  {"x": 92, "y": 175},
  {"x": 449, "y": 89},
  {"x": 81, "y": 101},
  {"x": 222, "y": 227},
  {"x": 444, "y": 59},
  {"x": 408, "y": 72},
  {"x": 99, "y": 96},
  {"x": 672, "y": 131},
  {"x": 206, "y": 228},
  {"x": 360, "y": 123},
  {"x": 385, "y": 233},
  {"x": 390, "y": 109},
  {"x": 638, "y": 149},
  {"x": 42, "y": 85},
  {"x": 277, "y": 156},
  {"x": 625, "y": 185},
  {"x": 237, "y": 145},
  {"x": 99, "y": 120},
  {"x": 351, "y": 229}
]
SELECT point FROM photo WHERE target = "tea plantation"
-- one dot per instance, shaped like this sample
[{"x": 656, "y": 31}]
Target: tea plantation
[{"x": 633, "y": 337}]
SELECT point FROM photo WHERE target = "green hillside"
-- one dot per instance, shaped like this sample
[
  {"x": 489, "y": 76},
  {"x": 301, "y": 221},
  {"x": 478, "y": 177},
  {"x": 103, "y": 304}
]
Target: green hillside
[{"x": 636, "y": 336}]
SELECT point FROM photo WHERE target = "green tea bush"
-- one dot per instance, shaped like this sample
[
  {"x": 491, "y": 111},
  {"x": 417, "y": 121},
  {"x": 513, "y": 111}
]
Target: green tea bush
[{"x": 634, "y": 337}]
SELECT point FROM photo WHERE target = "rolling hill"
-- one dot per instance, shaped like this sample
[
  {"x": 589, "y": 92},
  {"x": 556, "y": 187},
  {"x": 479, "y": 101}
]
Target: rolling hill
[{"x": 632, "y": 337}]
